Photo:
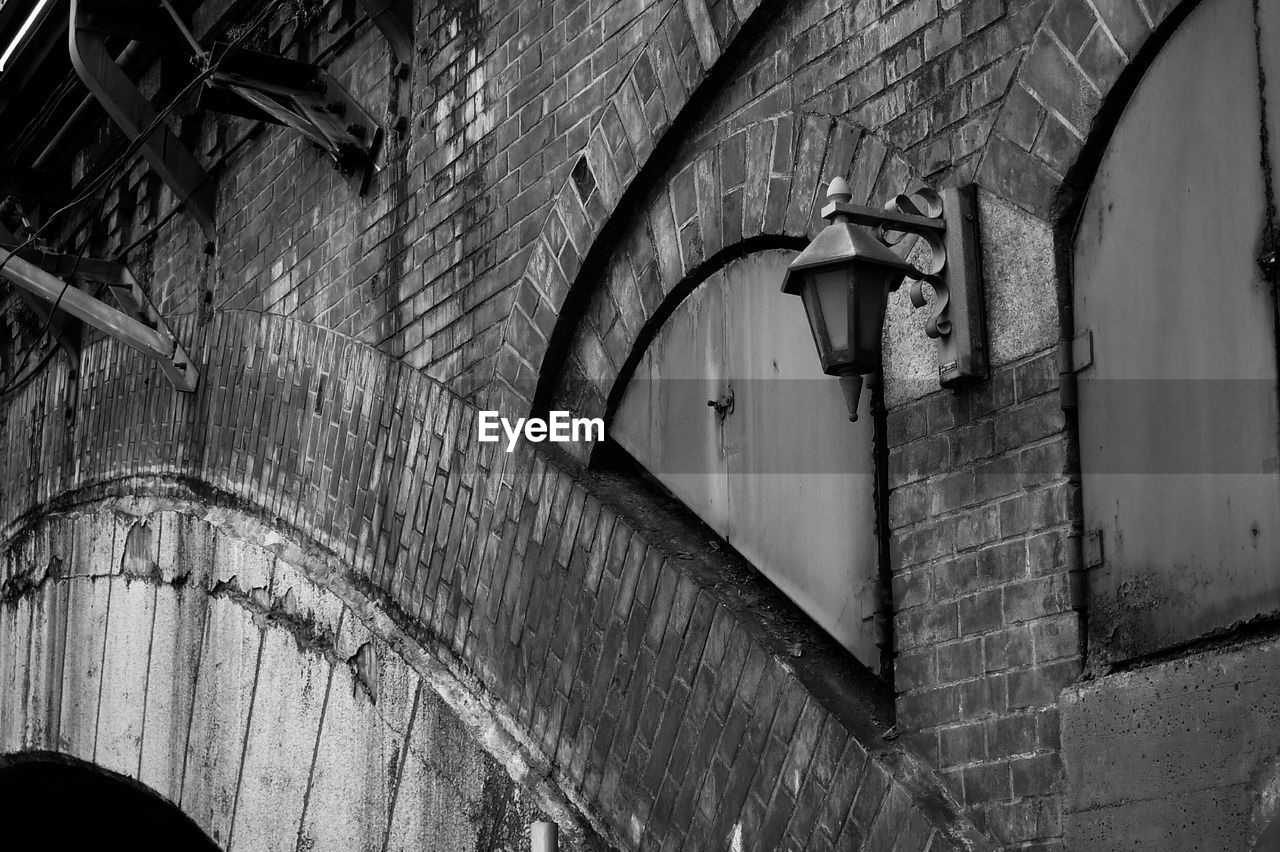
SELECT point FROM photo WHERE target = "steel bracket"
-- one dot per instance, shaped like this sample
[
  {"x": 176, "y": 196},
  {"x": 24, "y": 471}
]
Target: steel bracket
[
  {"x": 1093, "y": 556},
  {"x": 136, "y": 323},
  {"x": 1076, "y": 354},
  {"x": 395, "y": 19},
  {"x": 132, "y": 113},
  {"x": 302, "y": 96}
]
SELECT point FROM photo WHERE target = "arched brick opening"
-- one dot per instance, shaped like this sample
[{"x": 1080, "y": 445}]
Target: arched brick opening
[
  {"x": 760, "y": 186},
  {"x": 665, "y": 704},
  {"x": 677, "y": 66},
  {"x": 1061, "y": 93},
  {"x": 1080, "y": 70}
]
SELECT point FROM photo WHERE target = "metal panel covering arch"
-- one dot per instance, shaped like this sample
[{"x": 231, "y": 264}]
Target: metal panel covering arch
[{"x": 1178, "y": 412}]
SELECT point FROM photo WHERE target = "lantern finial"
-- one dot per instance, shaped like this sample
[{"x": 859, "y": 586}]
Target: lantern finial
[{"x": 839, "y": 191}]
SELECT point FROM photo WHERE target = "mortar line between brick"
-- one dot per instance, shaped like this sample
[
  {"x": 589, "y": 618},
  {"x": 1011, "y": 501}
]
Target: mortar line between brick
[{"x": 1004, "y": 98}]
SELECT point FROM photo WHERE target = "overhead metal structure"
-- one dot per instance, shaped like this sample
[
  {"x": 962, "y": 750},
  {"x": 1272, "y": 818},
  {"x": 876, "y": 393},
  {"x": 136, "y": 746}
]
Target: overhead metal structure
[
  {"x": 242, "y": 82},
  {"x": 91, "y": 22}
]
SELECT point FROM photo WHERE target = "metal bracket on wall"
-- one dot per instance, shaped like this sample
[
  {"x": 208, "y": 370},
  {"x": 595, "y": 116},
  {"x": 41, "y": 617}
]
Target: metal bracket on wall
[
  {"x": 1093, "y": 556},
  {"x": 90, "y": 23},
  {"x": 395, "y": 19},
  {"x": 1076, "y": 354},
  {"x": 137, "y": 324},
  {"x": 298, "y": 95}
]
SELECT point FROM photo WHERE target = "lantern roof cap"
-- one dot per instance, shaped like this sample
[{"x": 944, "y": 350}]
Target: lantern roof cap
[{"x": 837, "y": 244}]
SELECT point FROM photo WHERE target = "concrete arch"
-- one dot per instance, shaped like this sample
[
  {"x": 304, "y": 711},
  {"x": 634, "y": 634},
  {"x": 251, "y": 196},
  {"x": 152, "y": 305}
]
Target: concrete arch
[
  {"x": 759, "y": 185},
  {"x": 593, "y": 623},
  {"x": 192, "y": 651},
  {"x": 1079, "y": 71},
  {"x": 678, "y": 59}
]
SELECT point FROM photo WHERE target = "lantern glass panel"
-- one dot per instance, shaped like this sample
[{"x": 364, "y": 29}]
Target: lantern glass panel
[
  {"x": 832, "y": 285},
  {"x": 872, "y": 299}
]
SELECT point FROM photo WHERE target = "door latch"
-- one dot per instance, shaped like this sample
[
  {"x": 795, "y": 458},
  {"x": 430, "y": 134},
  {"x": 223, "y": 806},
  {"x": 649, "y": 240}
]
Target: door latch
[{"x": 724, "y": 405}]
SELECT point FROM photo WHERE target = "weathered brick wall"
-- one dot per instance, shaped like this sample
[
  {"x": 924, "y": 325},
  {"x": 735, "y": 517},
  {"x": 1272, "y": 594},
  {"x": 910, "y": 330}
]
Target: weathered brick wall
[
  {"x": 501, "y": 101},
  {"x": 532, "y": 131},
  {"x": 668, "y": 704},
  {"x": 984, "y": 515}
]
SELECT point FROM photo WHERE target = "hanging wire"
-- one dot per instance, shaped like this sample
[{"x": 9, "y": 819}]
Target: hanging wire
[{"x": 18, "y": 380}]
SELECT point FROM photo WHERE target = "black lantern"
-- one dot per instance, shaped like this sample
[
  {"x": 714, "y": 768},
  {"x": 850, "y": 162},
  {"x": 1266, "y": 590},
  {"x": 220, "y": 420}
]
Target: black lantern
[
  {"x": 845, "y": 277},
  {"x": 846, "y": 274}
]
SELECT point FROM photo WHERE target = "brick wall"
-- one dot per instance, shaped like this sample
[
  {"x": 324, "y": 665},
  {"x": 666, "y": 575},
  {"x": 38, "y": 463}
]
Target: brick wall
[
  {"x": 531, "y": 134},
  {"x": 984, "y": 511},
  {"x": 500, "y": 102},
  {"x": 672, "y": 707}
]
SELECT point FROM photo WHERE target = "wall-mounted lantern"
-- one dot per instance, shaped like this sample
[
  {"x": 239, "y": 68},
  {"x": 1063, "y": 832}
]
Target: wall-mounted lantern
[{"x": 847, "y": 272}]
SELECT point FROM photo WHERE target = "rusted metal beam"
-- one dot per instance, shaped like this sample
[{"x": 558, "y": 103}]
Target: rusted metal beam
[
  {"x": 133, "y": 114},
  {"x": 156, "y": 342}
]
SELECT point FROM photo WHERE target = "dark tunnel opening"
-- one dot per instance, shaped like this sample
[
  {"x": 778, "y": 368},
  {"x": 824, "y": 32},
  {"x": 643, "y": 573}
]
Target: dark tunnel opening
[{"x": 53, "y": 803}]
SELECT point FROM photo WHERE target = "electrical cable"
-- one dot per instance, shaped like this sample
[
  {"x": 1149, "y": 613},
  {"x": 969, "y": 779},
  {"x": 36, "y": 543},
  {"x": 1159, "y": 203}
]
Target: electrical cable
[{"x": 14, "y": 384}]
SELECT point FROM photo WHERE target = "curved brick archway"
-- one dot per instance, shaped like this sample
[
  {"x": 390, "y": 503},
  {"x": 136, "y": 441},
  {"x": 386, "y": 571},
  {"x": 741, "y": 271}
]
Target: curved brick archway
[
  {"x": 1064, "y": 96},
  {"x": 678, "y": 59},
  {"x": 760, "y": 186},
  {"x": 192, "y": 650},
  {"x": 665, "y": 704}
]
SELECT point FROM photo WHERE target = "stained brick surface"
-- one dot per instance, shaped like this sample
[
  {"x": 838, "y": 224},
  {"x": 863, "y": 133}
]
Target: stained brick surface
[
  {"x": 668, "y": 714},
  {"x": 344, "y": 338}
]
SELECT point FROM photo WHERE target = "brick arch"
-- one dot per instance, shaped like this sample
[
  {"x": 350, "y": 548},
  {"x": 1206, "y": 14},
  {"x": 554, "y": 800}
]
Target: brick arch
[
  {"x": 678, "y": 59},
  {"x": 665, "y": 705},
  {"x": 1082, "y": 66},
  {"x": 758, "y": 186},
  {"x": 237, "y": 676}
]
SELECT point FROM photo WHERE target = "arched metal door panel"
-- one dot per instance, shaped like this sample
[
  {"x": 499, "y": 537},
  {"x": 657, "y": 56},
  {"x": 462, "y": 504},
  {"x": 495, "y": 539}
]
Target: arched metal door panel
[
  {"x": 785, "y": 477},
  {"x": 1179, "y": 426},
  {"x": 800, "y": 474},
  {"x": 663, "y": 419}
]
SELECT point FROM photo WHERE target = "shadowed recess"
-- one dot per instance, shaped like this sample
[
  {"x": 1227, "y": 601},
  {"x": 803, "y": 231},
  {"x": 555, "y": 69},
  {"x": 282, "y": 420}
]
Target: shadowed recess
[{"x": 41, "y": 792}]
